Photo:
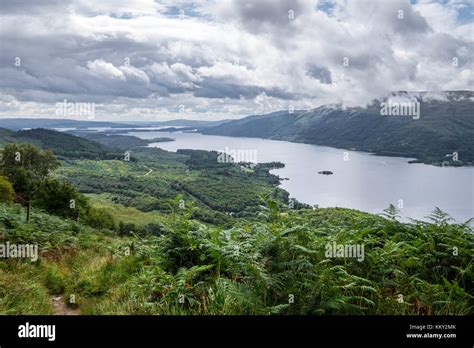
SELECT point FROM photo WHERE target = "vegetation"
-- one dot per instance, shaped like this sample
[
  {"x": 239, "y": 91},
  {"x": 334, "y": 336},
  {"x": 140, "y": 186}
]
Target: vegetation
[
  {"x": 64, "y": 145},
  {"x": 277, "y": 266},
  {"x": 183, "y": 234},
  {"x": 27, "y": 169},
  {"x": 443, "y": 128},
  {"x": 7, "y": 194},
  {"x": 152, "y": 182},
  {"x": 119, "y": 141}
]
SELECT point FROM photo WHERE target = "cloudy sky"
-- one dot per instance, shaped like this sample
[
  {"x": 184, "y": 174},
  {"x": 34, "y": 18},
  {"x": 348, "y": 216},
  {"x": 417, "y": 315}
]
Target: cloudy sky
[{"x": 160, "y": 60}]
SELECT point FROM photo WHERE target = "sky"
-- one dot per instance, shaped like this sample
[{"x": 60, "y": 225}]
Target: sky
[{"x": 224, "y": 59}]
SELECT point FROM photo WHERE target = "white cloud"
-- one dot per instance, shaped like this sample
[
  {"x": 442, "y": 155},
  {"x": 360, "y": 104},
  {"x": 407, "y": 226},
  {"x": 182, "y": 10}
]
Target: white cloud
[
  {"x": 103, "y": 69},
  {"x": 228, "y": 58}
]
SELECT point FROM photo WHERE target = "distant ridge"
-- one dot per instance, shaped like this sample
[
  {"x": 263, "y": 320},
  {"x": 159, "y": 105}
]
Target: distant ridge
[
  {"x": 22, "y": 123},
  {"x": 62, "y": 144},
  {"x": 445, "y": 126}
]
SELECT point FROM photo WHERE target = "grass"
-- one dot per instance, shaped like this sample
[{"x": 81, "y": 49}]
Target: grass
[
  {"x": 22, "y": 290},
  {"x": 198, "y": 259},
  {"x": 251, "y": 268},
  {"x": 125, "y": 214}
]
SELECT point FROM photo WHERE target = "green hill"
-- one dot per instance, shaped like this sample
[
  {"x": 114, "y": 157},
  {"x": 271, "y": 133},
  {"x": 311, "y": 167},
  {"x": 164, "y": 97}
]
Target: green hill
[
  {"x": 186, "y": 235},
  {"x": 62, "y": 144},
  {"x": 279, "y": 265},
  {"x": 27, "y": 123}
]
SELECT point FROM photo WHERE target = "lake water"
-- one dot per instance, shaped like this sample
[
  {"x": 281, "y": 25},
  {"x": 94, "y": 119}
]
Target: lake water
[{"x": 361, "y": 181}]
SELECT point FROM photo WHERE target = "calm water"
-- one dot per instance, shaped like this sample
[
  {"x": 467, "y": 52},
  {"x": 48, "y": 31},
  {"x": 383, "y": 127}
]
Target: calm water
[{"x": 362, "y": 181}]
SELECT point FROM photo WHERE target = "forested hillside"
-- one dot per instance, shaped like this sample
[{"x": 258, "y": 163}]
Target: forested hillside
[
  {"x": 275, "y": 266},
  {"x": 63, "y": 145},
  {"x": 443, "y": 127},
  {"x": 180, "y": 233}
]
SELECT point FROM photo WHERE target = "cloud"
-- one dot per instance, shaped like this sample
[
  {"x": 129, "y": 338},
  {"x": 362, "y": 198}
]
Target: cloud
[
  {"x": 323, "y": 74},
  {"x": 256, "y": 16},
  {"x": 106, "y": 70},
  {"x": 226, "y": 58}
]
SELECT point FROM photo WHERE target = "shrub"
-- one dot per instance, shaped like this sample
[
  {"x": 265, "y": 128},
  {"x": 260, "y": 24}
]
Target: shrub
[
  {"x": 99, "y": 218},
  {"x": 7, "y": 194},
  {"x": 54, "y": 280}
]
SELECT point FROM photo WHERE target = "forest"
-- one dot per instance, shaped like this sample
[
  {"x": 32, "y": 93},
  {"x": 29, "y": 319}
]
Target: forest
[{"x": 182, "y": 234}]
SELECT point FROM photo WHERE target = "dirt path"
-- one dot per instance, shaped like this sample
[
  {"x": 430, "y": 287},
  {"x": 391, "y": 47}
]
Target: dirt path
[{"x": 60, "y": 308}]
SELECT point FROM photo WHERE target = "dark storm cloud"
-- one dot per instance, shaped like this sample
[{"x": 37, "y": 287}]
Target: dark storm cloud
[
  {"x": 323, "y": 74},
  {"x": 257, "y": 14},
  {"x": 403, "y": 19},
  {"x": 25, "y": 7},
  {"x": 217, "y": 88}
]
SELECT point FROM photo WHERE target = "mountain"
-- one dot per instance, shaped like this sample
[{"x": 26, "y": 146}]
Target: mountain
[
  {"x": 62, "y": 144},
  {"x": 24, "y": 123},
  {"x": 444, "y": 125},
  {"x": 179, "y": 123}
]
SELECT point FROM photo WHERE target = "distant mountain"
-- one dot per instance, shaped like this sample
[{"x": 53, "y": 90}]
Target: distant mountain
[
  {"x": 22, "y": 123},
  {"x": 62, "y": 144},
  {"x": 180, "y": 123},
  {"x": 445, "y": 125}
]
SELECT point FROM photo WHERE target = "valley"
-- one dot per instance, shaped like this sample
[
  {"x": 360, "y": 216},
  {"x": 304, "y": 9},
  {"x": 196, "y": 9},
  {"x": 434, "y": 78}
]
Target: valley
[{"x": 196, "y": 236}]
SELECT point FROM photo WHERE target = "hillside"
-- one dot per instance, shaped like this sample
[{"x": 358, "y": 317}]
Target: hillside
[
  {"x": 49, "y": 123},
  {"x": 182, "y": 234},
  {"x": 279, "y": 265},
  {"x": 444, "y": 127},
  {"x": 63, "y": 145},
  {"x": 153, "y": 178},
  {"x": 26, "y": 123}
]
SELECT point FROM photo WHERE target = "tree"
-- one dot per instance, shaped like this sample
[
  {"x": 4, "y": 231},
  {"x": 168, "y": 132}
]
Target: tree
[
  {"x": 26, "y": 167},
  {"x": 99, "y": 218},
  {"x": 7, "y": 194},
  {"x": 60, "y": 198},
  {"x": 35, "y": 161},
  {"x": 391, "y": 212}
]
